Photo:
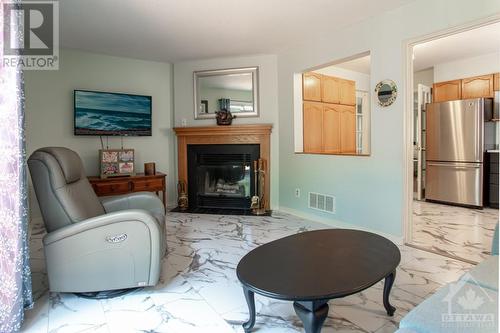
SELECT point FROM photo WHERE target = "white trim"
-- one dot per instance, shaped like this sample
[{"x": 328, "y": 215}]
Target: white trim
[
  {"x": 337, "y": 224},
  {"x": 408, "y": 114}
]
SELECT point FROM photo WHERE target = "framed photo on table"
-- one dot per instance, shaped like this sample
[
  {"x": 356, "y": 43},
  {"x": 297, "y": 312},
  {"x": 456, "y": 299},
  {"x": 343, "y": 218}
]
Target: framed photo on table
[{"x": 116, "y": 162}]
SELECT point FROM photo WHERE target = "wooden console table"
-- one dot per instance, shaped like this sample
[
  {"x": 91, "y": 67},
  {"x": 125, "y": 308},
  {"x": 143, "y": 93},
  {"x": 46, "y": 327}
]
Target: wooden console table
[{"x": 123, "y": 185}]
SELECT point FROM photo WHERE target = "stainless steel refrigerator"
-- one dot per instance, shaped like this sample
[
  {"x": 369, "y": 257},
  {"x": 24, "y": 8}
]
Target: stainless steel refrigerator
[{"x": 455, "y": 150}]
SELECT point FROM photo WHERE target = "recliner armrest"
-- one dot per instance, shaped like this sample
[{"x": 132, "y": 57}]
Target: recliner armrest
[
  {"x": 138, "y": 200},
  {"x": 141, "y": 216}
]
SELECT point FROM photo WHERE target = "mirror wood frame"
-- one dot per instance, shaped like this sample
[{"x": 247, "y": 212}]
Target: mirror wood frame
[{"x": 218, "y": 72}]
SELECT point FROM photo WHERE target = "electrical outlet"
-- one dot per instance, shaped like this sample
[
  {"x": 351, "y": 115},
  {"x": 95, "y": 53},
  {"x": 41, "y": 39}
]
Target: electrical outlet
[
  {"x": 183, "y": 122},
  {"x": 297, "y": 192}
]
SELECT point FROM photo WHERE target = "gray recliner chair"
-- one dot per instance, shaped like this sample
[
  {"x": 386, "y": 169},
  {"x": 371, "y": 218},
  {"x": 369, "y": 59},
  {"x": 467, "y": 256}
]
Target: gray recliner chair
[{"x": 94, "y": 244}]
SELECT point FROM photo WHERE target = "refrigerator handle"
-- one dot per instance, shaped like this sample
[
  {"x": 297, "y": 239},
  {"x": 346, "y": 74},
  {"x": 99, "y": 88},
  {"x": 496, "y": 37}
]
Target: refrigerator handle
[{"x": 455, "y": 166}]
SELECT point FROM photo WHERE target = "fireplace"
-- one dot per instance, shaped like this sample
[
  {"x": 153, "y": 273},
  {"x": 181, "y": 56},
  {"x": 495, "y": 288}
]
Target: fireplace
[
  {"x": 221, "y": 176},
  {"x": 214, "y": 137}
]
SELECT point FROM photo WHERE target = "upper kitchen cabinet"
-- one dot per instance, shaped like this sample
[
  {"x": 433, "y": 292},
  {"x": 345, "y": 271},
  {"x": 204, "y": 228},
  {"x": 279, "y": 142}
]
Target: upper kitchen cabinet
[
  {"x": 496, "y": 81},
  {"x": 311, "y": 85},
  {"x": 478, "y": 86},
  {"x": 330, "y": 89},
  {"x": 347, "y": 92},
  {"x": 447, "y": 91},
  {"x": 338, "y": 91}
]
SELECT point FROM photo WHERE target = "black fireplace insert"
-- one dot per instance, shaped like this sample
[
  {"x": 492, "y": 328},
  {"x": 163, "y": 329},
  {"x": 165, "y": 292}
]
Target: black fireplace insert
[{"x": 221, "y": 177}]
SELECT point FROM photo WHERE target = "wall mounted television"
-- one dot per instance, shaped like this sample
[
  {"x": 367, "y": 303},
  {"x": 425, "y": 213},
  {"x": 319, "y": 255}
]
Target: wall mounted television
[{"x": 107, "y": 113}]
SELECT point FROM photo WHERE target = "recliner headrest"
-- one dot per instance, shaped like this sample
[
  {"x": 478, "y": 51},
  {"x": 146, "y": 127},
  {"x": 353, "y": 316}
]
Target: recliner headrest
[{"x": 69, "y": 161}]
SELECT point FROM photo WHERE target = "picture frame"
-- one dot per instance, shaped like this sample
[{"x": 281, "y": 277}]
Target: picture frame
[{"x": 116, "y": 162}]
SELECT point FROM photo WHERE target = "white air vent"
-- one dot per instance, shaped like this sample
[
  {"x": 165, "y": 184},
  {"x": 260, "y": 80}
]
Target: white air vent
[{"x": 323, "y": 202}]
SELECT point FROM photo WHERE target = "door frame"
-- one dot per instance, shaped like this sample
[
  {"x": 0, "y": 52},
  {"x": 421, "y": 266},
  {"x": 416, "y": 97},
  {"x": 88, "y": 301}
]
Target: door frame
[{"x": 408, "y": 46}]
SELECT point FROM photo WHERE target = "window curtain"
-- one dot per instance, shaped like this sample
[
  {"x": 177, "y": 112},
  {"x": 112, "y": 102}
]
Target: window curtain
[{"x": 15, "y": 274}]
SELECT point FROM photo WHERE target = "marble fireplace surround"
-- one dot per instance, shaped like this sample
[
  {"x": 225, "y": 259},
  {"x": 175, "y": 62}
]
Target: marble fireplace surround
[{"x": 215, "y": 135}]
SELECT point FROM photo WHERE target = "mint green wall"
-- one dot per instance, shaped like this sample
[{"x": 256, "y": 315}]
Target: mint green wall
[
  {"x": 368, "y": 190},
  {"x": 49, "y": 108}
]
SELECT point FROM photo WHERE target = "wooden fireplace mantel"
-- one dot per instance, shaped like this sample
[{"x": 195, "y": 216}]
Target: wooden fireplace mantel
[{"x": 217, "y": 135}]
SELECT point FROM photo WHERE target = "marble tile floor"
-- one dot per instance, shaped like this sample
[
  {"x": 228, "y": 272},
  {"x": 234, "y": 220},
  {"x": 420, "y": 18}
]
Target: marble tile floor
[
  {"x": 456, "y": 232},
  {"x": 199, "y": 292}
]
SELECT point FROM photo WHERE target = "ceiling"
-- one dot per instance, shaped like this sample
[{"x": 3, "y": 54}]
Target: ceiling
[
  {"x": 176, "y": 30},
  {"x": 467, "y": 44}
]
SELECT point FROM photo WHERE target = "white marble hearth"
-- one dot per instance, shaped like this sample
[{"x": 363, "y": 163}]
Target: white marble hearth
[
  {"x": 199, "y": 291},
  {"x": 458, "y": 232}
]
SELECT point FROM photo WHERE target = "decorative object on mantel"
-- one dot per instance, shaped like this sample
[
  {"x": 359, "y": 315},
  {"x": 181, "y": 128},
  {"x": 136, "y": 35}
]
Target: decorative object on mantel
[
  {"x": 259, "y": 203},
  {"x": 224, "y": 117},
  {"x": 150, "y": 169},
  {"x": 387, "y": 92},
  {"x": 116, "y": 162},
  {"x": 182, "y": 200}
]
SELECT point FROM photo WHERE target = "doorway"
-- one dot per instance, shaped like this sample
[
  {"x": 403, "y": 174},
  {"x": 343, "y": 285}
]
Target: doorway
[{"x": 444, "y": 76}]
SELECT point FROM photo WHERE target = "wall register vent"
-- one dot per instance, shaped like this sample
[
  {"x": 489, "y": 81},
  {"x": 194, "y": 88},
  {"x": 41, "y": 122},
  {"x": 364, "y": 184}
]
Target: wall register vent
[{"x": 323, "y": 202}]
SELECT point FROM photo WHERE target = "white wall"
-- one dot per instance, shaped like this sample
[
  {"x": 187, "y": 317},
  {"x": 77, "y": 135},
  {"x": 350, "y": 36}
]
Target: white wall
[
  {"x": 459, "y": 69},
  {"x": 368, "y": 190},
  {"x": 49, "y": 108},
  {"x": 425, "y": 77},
  {"x": 268, "y": 100}
]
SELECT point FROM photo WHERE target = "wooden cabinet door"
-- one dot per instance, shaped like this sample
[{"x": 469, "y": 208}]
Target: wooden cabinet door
[
  {"x": 331, "y": 128},
  {"x": 347, "y": 92},
  {"x": 330, "y": 89},
  {"x": 347, "y": 129},
  {"x": 496, "y": 81},
  {"x": 447, "y": 91},
  {"x": 313, "y": 127},
  {"x": 311, "y": 87},
  {"x": 476, "y": 87}
]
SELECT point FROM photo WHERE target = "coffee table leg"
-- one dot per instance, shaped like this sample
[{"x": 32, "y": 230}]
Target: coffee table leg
[
  {"x": 389, "y": 281},
  {"x": 312, "y": 314},
  {"x": 249, "y": 295}
]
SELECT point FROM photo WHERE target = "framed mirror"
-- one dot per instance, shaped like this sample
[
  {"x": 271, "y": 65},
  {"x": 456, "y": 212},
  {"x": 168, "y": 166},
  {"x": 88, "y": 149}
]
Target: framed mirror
[
  {"x": 216, "y": 89},
  {"x": 386, "y": 92}
]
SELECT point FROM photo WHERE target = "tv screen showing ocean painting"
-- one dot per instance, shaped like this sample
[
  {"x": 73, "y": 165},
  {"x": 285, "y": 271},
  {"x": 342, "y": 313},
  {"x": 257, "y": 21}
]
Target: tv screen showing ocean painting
[{"x": 101, "y": 113}]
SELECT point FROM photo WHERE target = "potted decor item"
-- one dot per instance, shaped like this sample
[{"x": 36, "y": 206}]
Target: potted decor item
[{"x": 224, "y": 116}]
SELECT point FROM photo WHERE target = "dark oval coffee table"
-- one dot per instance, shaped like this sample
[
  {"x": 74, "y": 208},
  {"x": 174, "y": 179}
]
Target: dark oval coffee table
[{"x": 313, "y": 267}]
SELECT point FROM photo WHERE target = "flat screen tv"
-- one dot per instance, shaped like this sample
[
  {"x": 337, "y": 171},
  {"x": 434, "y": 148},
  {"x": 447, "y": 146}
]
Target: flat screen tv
[{"x": 105, "y": 113}]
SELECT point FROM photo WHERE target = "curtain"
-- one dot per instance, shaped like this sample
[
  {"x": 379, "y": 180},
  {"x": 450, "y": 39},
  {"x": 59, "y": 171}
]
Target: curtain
[{"x": 15, "y": 274}]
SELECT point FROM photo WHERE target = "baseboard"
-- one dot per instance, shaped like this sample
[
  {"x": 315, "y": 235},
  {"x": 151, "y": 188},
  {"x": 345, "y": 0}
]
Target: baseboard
[{"x": 338, "y": 224}]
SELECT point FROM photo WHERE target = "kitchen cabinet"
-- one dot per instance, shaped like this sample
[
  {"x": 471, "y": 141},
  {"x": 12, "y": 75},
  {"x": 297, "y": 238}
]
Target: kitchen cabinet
[
  {"x": 329, "y": 119},
  {"x": 330, "y": 89},
  {"x": 338, "y": 91},
  {"x": 311, "y": 86},
  {"x": 313, "y": 127},
  {"x": 447, "y": 91},
  {"x": 331, "y": 128},
  {"x": 478, "y": 86},
  {"x": 347, "y": 92},
  {"x": 496, "y": 81},
  {"x": 347, "y": 129}
]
